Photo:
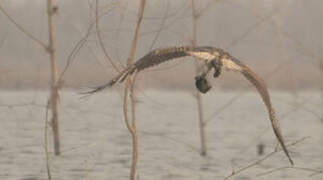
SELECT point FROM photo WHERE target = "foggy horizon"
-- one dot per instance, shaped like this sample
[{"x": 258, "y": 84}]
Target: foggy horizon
[
  {"x": 265, "y": 35},
  {"x": 73, "y": 105}
]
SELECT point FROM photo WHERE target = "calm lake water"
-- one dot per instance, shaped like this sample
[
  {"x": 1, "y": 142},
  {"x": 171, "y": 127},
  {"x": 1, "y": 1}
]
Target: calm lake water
[{"x": 97, "y": 145}]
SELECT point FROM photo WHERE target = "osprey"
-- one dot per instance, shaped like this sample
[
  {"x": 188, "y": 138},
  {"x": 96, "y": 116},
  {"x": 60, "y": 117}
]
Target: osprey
[{"x": 214, "y": 58}]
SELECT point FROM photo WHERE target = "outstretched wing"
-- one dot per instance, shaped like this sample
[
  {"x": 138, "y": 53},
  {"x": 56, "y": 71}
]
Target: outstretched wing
[
  {"x": 231, "y": 63},
  {"x": 151, "y": 59}
]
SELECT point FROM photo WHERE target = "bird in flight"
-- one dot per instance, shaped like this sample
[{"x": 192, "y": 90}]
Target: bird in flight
[{"x": 213, "y": 58}]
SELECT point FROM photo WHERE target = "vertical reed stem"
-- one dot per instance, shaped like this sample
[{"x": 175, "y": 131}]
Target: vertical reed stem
[
  {"x": 51, "y": 10},
  {"x": 198, "y": 94},
  {"x": 130, "y": 83}
]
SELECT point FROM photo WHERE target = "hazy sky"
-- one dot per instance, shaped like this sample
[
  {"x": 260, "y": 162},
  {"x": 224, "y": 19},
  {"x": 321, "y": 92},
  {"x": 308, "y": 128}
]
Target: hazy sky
[{"x": 258, "y": 32}]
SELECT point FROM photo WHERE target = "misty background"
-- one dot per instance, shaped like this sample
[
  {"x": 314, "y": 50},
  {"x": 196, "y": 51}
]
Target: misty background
[{"x": 280, "y": 40}]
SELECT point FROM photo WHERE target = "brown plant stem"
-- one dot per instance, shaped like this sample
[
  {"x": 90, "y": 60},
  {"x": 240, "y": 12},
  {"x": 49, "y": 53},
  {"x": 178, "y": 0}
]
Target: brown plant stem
[
  {"x": 130, "y": 84},
  {"x": 198, "y": 94},
  {"x": 321, "y": 68},
  {"x": 236, "y": 172},
  {"x": 46, "y": 142},
  {"x": 22, "y": 29},
  {"x": 314, "y": 171},
  {"x": 98, "y": 32},
  {"x": 54, "y": 74}
]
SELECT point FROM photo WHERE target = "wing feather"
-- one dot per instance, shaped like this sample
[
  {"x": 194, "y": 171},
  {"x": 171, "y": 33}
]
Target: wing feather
[
  {"x": 231, "y": 63},
  {"x": 159, "y": 56},
  {"x": 151, "y": 59}
]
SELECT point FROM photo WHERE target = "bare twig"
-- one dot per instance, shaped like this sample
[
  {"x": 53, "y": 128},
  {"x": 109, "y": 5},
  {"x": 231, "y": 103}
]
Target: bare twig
[
  {"x": 198, "y": 94},
  {"x": 46, "y": 142},
  {"x": 78, "y": 46},
  {"x": 162, "y": 24},
  {"x": 209, "y": 5},
  {"x": 301, "y": 106},
  {"x": 251, "y": 29},
  {"x": 74, "y": 52},
  {"x": 10, "y": 106},
  {"x": 182, "y": 10},
  {"x": 238, "y": 171},
  {"x": 54, "y": 74},
  {"x": 119, "y": 28},
  {"x": 98, "y": 32},
  {"x": 130, "y": 84},
  {"x": 188, "y": 145},
  {"x": 321, "y": 68},
  {"x": 2, "y": 41},
  {"x": 314, "y": 171},
  {"x": 22, "y": 29}
]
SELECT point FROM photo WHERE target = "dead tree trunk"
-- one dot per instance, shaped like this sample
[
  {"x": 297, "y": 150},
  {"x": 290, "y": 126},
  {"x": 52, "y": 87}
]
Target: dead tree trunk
[
  {"x": 51, "y": 11},
  {"x": 198, "y": 94}
]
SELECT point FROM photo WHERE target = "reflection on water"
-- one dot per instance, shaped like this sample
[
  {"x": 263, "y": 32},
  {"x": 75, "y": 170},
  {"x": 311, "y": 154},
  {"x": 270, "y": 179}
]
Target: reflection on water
[{"x": 97, "y": 145}]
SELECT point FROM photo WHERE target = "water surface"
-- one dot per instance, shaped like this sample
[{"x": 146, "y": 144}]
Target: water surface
[{"x": 96, "y": 144}]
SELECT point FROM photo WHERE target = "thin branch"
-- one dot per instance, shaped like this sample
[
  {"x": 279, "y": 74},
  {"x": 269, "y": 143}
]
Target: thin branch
[
  {"x": 54, "y": 94},
  {"x": 125, "y": 106},
  {"x": 300, "y": 45},
  {"x": 321, "y": 68},
  {"x": 22, "y": 29},
  {"x": 251, "y": 28},
  {"x": 130, "y": 83},
  {"x": 199, "y": 99},
  {"x": 160, "y": 27},
  {"x": 300, "y": 105},
  {"x": 180, "y": 11},
  {"x": 206, "y": 8},
  {"x": 188, "y": 145},
  {"x": 314, "y": 171},
  {"x": 10, "y": 106},
  {"x": 119, "y": 28},
  {"x": 136, "y": 36},
  {"x": 224, "y": 107},
  {"x": 46, "y": 142},
  {"x": 236, "y": 172},
  {"x": 98, "y": 32},
  {"x": 3, "y": 40},
  {"x": 78, "y": 46}
]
